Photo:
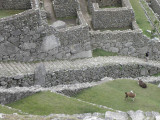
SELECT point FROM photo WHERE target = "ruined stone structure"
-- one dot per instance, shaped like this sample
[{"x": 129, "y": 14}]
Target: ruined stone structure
[{"x": 27, "y": 36}]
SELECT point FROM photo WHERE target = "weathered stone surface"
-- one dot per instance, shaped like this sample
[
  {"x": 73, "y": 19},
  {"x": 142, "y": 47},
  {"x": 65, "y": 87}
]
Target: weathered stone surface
[
  {"x": 144, "y": 72},
  {"x": 113, "y": 49},
  {"x": 40, "y": 74},
  {"x": 50, "y": 42},
  {"x": 116, "y": 116},
  {"x": 1, "y": 38},
  {"x": 28, "y": 46},
  {"x": 59, "y": 24},
  {"x": 138, "y": 115},
  {"x": 8, "y": 49}
]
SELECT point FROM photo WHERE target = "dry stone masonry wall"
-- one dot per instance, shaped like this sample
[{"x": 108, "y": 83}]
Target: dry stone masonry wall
[
  {"x": 27, "y": 37},
  {"x": 15, "y": 4},
  {"x": 65, "y": 8},
  {"x": 80, "y": 75},
  {"x": 103, "y": 18},
  {"x": 155, "y": 5}
]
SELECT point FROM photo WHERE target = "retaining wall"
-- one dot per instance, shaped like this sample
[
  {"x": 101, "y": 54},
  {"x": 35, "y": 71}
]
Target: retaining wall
[
  {"x": 88, "y": 74},
  {"x": 103, "y": 18},
  {"x": 65, "y": 8},
  {"x": 15, "y": 4},
  {"x": 9, "y": 97},
  {"x": 128, "y": 42}
]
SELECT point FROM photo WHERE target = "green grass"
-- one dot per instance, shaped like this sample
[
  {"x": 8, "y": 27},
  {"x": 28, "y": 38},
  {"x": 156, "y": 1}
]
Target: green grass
[
  {"x": 112, "y": 94},
  {"x": 156, "y": 75},
  {"x": 140, "y": 17},
  {"x": 100, "y": 52},
  {"x": 5, "y": 13},
  {"x": 6, "y": 110},
  {"x": 45, "y": 103}
]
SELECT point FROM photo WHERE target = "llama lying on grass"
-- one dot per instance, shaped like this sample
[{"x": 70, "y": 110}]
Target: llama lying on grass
[
  {"x": 130, "y": 94},
  {"x": 142, "y": 84}
]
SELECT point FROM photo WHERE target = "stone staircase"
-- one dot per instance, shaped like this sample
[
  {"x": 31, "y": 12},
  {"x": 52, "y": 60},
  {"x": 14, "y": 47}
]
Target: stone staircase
[{"x": 10, "y": 69}]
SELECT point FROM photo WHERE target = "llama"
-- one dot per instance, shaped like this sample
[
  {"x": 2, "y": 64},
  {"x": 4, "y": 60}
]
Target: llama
[
  {"x": 130, "y": 94},
  {"x": 142, "y": 84}
]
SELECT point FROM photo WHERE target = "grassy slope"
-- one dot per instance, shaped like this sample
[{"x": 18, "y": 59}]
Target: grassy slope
[
  {"x": 140, "y": 17},
  {"x": 6, "y": 110},
  {"x": 5, "y": 13},
  {"x": 100, "y": 52},
  {"x": 46, "y": 103},
  {"x": 111, "y": 94}
]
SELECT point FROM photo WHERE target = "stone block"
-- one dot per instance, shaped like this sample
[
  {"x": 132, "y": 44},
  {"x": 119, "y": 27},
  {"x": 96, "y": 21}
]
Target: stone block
[
  {"x": 1, "y": 38},
  {"x": 50, "y": 42},
  {"x": 8, "y": 49},
  {"x": 59, "y": 24},
  {"x": 138, "y": 115},
  {"x": 114, "y": 49},
  {"x": 28, "y": 46},
  {"x": 116, "y": 116},
  {"x": 40, "y": 74}
]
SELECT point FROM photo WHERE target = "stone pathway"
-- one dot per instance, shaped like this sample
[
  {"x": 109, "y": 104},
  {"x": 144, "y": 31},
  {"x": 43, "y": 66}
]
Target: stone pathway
[{"x": 12, "y": 69}]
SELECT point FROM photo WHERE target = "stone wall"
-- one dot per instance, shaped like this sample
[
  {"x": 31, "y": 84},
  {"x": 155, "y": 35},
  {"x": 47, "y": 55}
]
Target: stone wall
[
  {"x": 155, "y": 5},
  {"x": 81, "y": 75},
  {"x": 9, "y": 97},
  {"x": 111, "y": 17},
  {"x": 27, "y": 37},
  {"x": 15, "y": 4},
  {"x": 65, "y": 8},
  {"x": 128, "y": 42},
  {"x": 109, "y": 3}
]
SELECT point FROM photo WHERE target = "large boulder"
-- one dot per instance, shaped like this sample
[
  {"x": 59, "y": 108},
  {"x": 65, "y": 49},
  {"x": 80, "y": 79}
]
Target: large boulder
[
  {"x": 59, "y": 24},
  {"x": 138, "y": 115},
  {"x": 116, "y": 115},
  {"x": 50, "y": 42}
]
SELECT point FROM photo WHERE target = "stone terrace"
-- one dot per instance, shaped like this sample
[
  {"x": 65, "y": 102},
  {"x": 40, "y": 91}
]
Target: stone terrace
[{"x": 12, "y": 69}]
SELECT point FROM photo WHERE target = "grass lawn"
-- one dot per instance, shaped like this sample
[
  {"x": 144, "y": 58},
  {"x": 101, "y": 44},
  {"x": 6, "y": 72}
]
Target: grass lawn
[
  {"x": 5, "y": 13},
  {"x": 112, "y": 94},
  {"x": 6, "y": 110},
  {"x": 100, "y": 52},
  {"x": 45, "y": 103},
  {"x": 140, "y": 17}
]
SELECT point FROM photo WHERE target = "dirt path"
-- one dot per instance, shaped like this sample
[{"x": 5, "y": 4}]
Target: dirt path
[
  {"x": 48, "y": 5},
  {"x": 84, "y": 9}
]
